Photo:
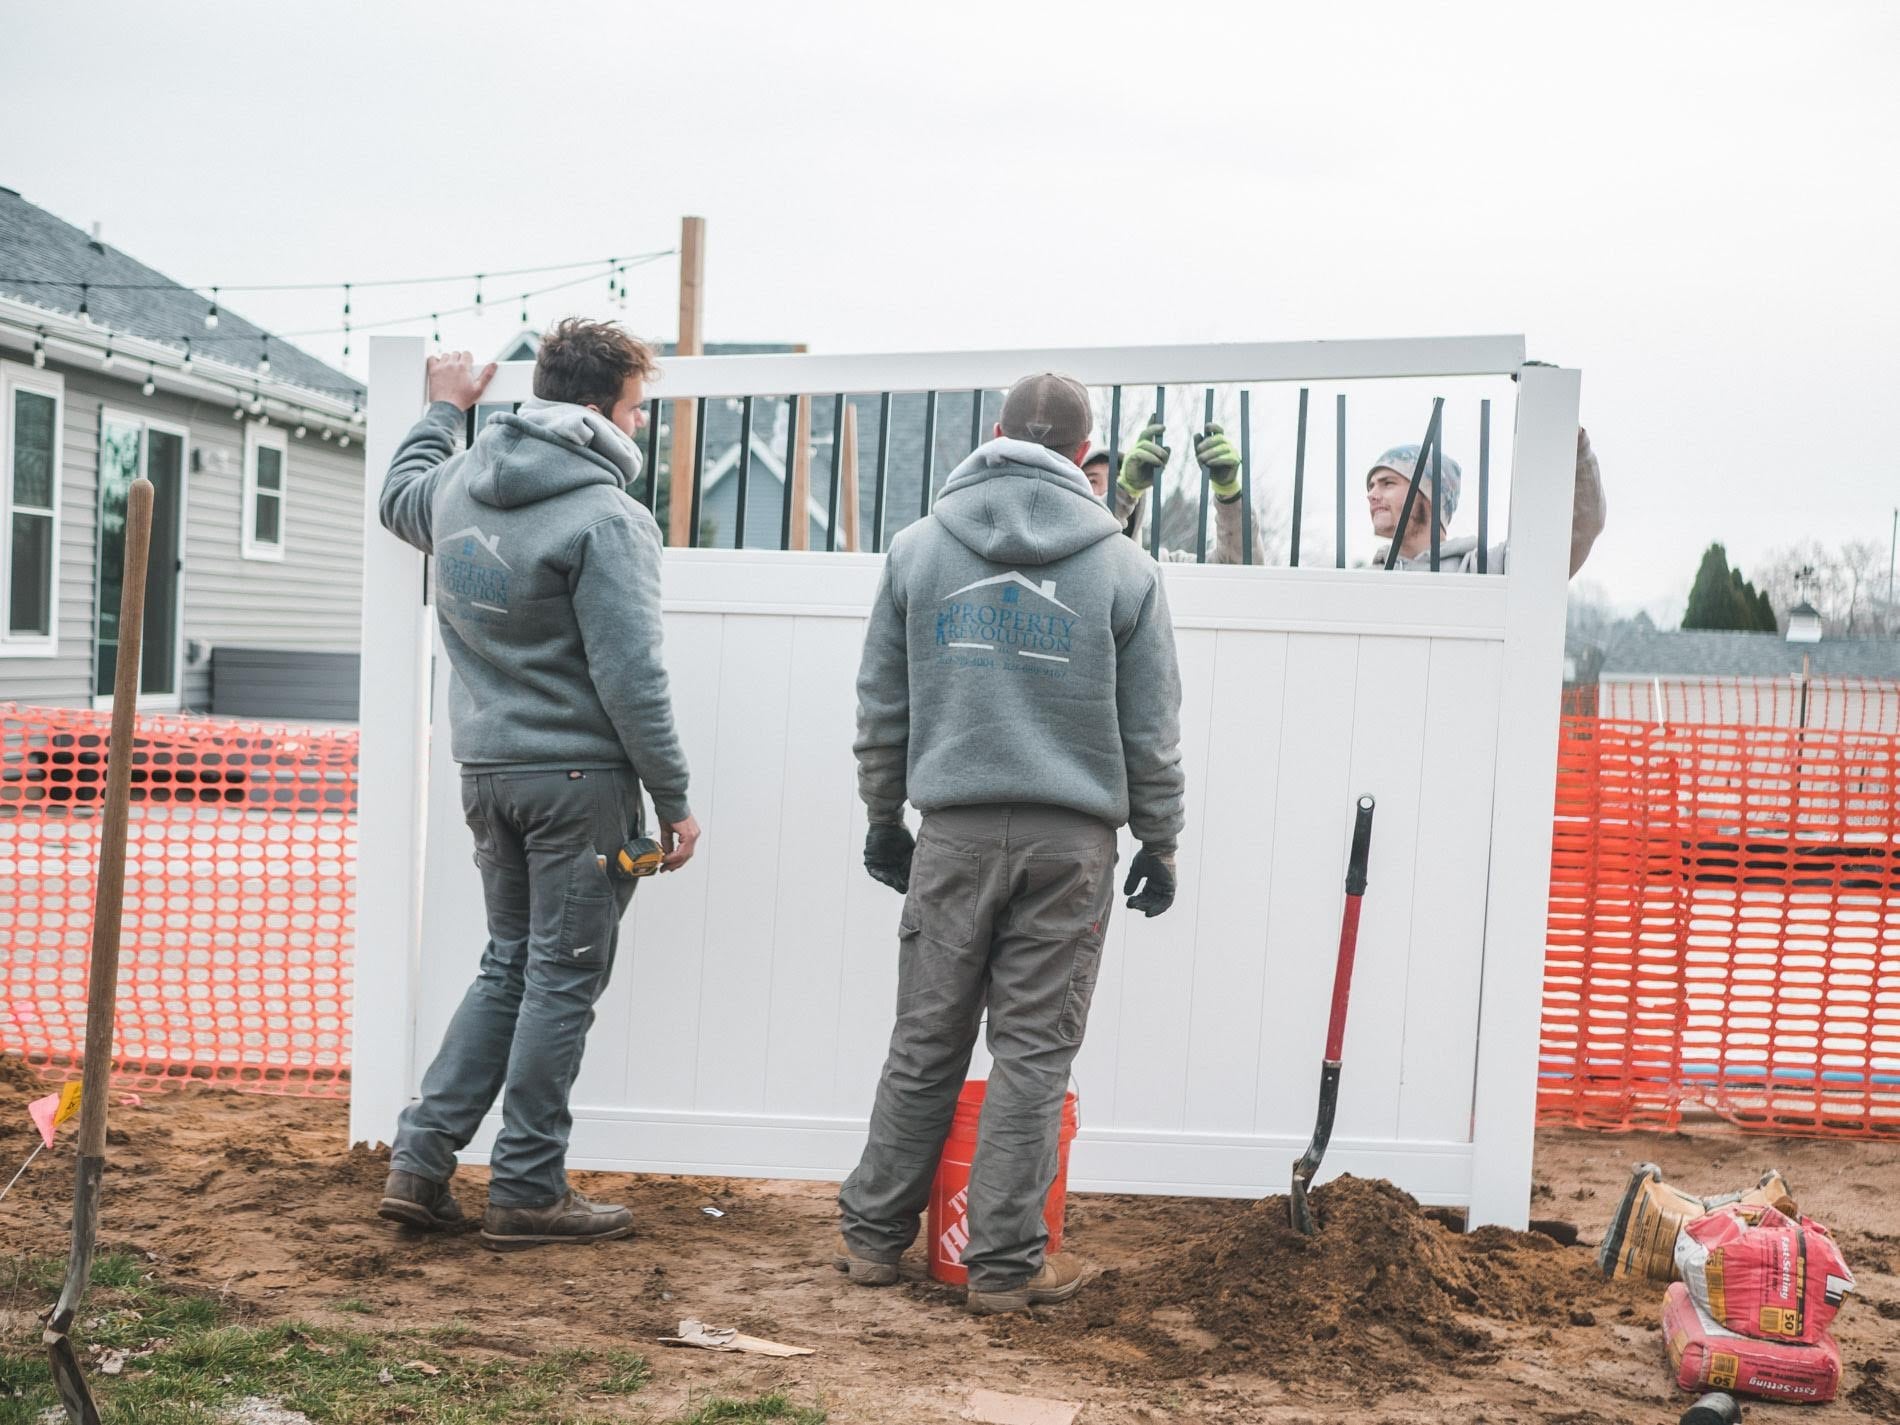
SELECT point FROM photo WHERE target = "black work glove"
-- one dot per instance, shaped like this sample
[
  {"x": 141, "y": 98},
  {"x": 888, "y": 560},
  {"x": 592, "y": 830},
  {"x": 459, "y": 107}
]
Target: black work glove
[
  {"x": 887, "y": 850},
  {"x": 1154, "y": 872}
]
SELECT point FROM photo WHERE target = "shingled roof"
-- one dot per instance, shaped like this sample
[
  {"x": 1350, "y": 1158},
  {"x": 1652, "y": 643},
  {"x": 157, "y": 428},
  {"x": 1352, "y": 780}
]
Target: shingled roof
[
  {"x": 1720, "y": 653},
  {"x": 44, "y": 261}
]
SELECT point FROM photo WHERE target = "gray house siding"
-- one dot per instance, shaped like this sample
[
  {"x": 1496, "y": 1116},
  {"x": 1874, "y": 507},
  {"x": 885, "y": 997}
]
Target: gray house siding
[{"x": 310, "y": 601}]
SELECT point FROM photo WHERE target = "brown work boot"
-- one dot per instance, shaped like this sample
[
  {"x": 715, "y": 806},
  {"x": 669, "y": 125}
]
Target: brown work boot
[
  {"x": 572, "y": 1219},
  {"x": 862, "y": 1270},
  {"x": 416, "y": 1201},
  {"x": 1641, "y": 1240},
  {"x": 1059, "y": 1279}
]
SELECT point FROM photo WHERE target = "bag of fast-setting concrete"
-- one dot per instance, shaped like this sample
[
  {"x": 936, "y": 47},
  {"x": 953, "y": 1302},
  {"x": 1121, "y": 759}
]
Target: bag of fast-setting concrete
[
  {"x": 1761, "y": 1274},
  {"x": 1707, "y": 1356}
]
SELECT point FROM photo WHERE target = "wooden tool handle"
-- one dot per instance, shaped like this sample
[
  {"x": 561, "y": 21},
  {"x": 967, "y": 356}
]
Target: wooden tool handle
[{"x": 102, "y": 974}]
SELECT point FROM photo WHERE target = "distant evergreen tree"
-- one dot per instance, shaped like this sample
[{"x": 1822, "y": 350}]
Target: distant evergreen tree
[{"x": 1722, "y": 598}]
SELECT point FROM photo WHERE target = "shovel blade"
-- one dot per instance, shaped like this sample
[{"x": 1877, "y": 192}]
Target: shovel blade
[{"x": 69, "y": 1381}]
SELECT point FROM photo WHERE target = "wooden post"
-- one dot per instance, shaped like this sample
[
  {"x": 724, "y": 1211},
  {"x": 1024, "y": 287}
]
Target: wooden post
[
  {"x": 800, "y": 475},
  {"x": 679, "y": 523},
  {"x": 848, "y": 480}
]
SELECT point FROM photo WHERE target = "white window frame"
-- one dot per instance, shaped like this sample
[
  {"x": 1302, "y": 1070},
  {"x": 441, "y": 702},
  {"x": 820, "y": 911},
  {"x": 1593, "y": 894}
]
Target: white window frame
[
  {"x": 16, "y": 377},
  {"x": 256, "y": 438}
]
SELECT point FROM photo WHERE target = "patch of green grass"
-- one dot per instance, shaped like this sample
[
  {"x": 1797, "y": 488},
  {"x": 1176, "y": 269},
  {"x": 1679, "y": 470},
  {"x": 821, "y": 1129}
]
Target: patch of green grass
[
  {"x": 356, "y": 1306},
  {"x": 185, "y": 1355},
  {"x": 721, "y": 1411}
]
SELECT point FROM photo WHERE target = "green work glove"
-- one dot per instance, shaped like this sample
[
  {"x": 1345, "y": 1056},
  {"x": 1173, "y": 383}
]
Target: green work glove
[
  {"x": 1221, "y": 460},
  {"x": 1144, "y": 461}
]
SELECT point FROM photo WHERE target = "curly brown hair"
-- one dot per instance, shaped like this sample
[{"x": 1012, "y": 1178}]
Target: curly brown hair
[{"x": 588, "y": 363}]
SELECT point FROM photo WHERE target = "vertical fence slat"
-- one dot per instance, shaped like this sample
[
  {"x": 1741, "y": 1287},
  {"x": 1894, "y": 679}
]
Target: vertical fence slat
[
  {"x": 1161, "y": 478},
  {"x": 745, "y": 470},
  {"x": 1114, "y": 445},
  {"x": 930, "y": 453},
  {"x": 837, "y": 473},
  {"x": 1200, "y": 529},
  {"x": 1438, "y": 499},
  {"x": 653, "y": 456},
  {"x": 1484, "y": 483},
  {"x": 849, "y": 486},
  {"x": 699, "y": 466},
  {"x": 883, "y": 470},
  {"x": 1339, "y": 498},
  {"x": 1246, "y": 478},
  {"x": 976, "y": 419},
  {"x": 1299, "y": 481}
]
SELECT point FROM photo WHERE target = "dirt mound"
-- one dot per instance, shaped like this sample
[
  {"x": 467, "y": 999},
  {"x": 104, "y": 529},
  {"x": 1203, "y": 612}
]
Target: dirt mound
[{"x": 1381, "y": 1287}]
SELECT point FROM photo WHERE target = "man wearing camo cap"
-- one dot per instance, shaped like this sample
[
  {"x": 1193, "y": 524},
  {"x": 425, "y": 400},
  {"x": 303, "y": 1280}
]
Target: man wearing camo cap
[
  {"x": 1019, "y": 688},
  {"x": 1391, "y": 476}
]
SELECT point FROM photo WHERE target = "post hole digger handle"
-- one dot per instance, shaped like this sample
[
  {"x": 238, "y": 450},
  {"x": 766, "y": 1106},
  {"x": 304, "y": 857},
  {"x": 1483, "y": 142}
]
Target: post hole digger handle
[{"x": 1308, "y": 1163}]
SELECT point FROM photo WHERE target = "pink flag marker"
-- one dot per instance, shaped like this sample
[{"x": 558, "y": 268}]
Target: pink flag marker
[{"x": 49, "y": 1112}]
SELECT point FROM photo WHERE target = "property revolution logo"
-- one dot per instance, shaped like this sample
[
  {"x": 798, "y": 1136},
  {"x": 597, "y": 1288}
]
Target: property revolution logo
[{"x": 1008, "y": 614}]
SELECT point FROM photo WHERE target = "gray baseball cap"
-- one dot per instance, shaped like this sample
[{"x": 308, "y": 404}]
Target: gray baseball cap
[{"x": 1048, "y": 409}]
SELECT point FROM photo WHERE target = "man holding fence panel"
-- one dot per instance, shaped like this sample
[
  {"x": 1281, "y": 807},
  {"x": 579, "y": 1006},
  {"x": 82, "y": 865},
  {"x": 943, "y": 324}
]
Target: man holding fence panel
[
  {"x": 547, "y": 590},
  {"x": 1019, "y": 687}
]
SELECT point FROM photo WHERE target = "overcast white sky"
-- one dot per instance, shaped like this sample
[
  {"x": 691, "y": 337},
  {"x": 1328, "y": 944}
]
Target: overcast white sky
[{"x": 1696, "y": 203}]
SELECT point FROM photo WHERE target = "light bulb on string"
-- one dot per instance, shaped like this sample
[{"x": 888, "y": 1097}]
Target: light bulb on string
[
  {"x": 105, "y": 358},
  {"x": 257, "y": 403},
  {"x": 151, "y": 380},
  {"x": 524, "y": 310},
  {"x": 39, "y": 348},
  {"x": 211, "y": 312},
  {"x": 343, "y": 442},
  {"x": 622, "y": 298},
  {"x": 263, "y": 364},
  {"x": 328, "y": 433},
  {"x": 85, "y": 302},
  {"x": 478, "y": 294},
  {"x": 435, "y": 325},
  {"x": 301, "y": 430},
  {"x": 187, "y": 351},
  {"x": 237, "y": 413}
]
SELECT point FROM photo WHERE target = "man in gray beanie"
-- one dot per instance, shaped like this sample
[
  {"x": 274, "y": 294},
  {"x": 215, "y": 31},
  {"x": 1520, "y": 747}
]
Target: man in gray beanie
[
  {"x": 1391, "y": 476},
  {"x": 1019, "y": 688}
]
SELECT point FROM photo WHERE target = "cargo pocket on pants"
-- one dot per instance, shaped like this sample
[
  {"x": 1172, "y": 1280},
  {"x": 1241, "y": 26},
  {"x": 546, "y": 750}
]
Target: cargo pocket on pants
[
  {"x": 1084, "y": 969},
  {"x": 589, "y": 910}
]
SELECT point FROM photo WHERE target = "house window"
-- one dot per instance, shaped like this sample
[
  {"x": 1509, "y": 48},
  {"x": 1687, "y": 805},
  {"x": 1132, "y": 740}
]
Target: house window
[
  {"x": 264, "y": 484},
  {"x": 30, "y": 419}
]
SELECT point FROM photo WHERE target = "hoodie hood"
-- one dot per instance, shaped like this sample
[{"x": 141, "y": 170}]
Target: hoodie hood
[
  {"x": 546, "y": 449},
  {"x": 1016, "y": 502}
]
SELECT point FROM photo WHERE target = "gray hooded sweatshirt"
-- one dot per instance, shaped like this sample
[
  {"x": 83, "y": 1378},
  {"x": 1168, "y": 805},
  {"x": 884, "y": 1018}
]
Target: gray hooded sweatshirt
[
  {"x": 547, "y": 587},
  {"x": 1020, "y": 650}
]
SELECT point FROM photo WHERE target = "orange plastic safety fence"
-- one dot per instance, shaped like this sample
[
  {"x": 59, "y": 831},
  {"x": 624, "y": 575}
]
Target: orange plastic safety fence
[
  {"x": 1724, "y": 929},
  {"x": 239, "y": 905}
]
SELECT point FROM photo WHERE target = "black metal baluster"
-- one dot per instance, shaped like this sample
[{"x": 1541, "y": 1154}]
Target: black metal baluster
[
  {"x": 1200, "y": 530},
  {"x": 930, "y": 452},
  {"x": 1411, "y": 491},
  {"x": 837, "y": 473},
  {"x": 699, "y": 466},
  {"x": 976, "y": 419},
  {"x": 791, "y": 451},
  {"x": 1299, "y": 480},
  {"x": 653, "y": 455},
  {"x": 1438, "y": 499},
  {"x": 745, "y": 471},
  {"x": 883, "y": 468},
  {"x": 1154, "y": 493},
  {"x": 1114, "y": 446},
  {"x": 1246, "y": 478},
  {"x": 1484, "y": 482},
  {"x": 1339, "y": 499}
]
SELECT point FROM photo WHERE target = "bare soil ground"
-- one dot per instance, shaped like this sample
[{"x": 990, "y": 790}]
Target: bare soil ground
[{"x": 1394, "y": 1319}]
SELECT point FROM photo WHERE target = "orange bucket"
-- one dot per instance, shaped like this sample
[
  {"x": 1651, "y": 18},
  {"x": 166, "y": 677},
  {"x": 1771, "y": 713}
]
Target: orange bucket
[{"x": 948, "y": 1224}]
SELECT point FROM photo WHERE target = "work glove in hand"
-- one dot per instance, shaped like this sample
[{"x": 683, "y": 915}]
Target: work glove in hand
[
  {"x": 887, "y": 850},
  {"x": 1146, "y": 459},
  {"x": 1219, "y": 457},
  {"x": 1153, "y": 871}
]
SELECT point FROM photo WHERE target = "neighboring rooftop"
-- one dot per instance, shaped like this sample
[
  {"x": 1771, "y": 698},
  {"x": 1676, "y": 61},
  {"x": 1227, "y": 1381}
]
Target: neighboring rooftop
[
  {"x": 1720, "y": 653},
  {"x": 47, "y": 262}
]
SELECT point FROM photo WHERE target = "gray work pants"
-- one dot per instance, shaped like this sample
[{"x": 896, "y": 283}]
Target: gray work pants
[
  {"x": 553, "y": 923},
  {"x": 1007, "y": 906}
]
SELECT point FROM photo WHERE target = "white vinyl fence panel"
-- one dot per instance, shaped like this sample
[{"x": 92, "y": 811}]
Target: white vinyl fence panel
[{"x": 747, "y": 1018}]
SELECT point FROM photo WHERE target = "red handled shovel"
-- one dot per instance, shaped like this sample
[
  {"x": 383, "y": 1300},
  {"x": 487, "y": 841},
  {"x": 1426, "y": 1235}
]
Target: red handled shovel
[{"x": 1308, "y": 1163}]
